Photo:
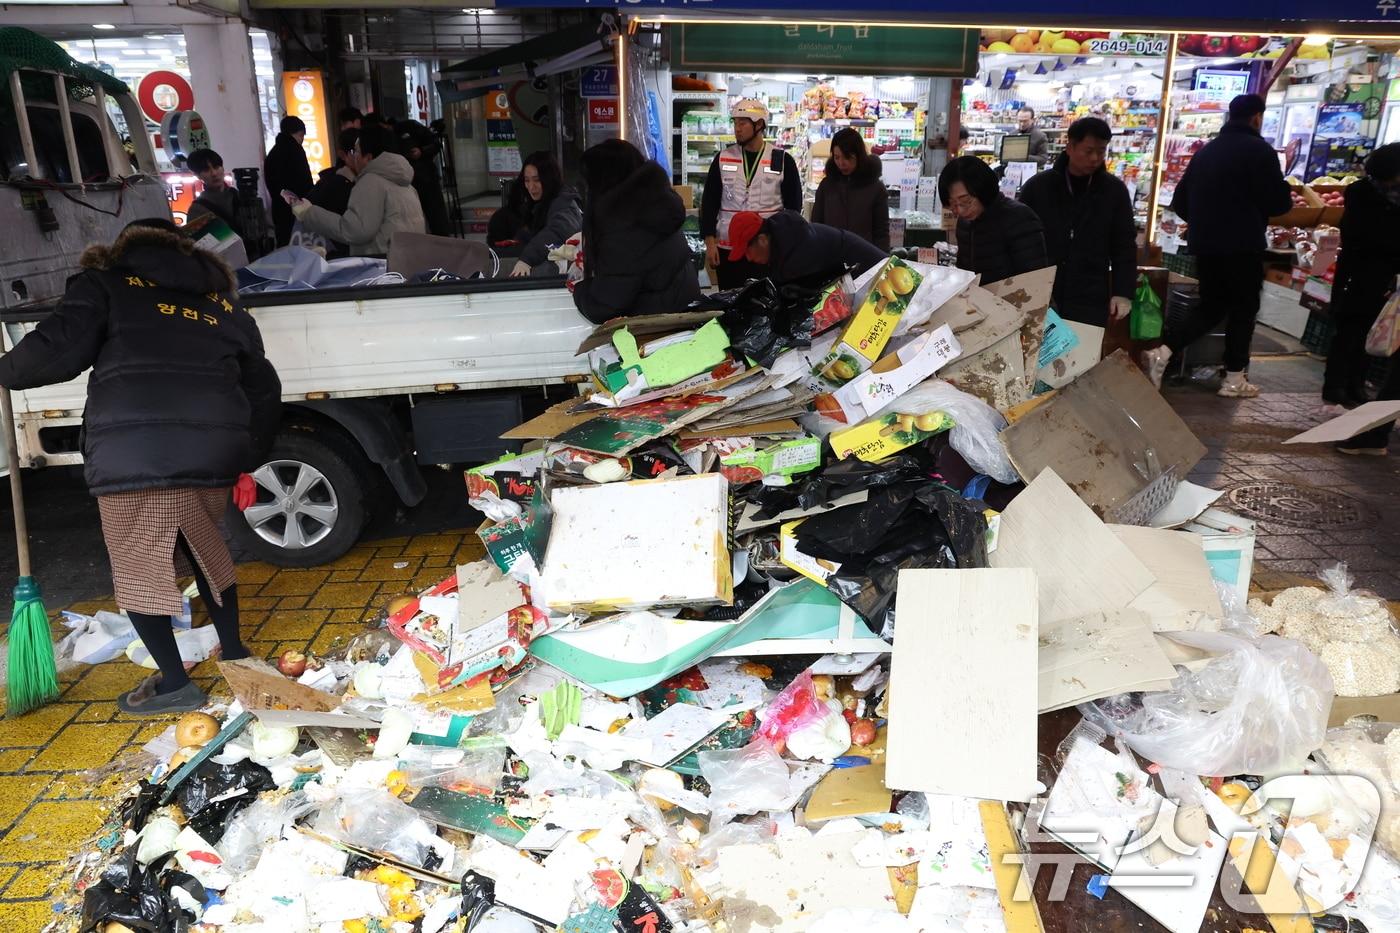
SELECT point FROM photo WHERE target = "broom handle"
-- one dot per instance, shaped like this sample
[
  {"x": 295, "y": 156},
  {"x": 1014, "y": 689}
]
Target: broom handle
[{"x": 7, "y": 415}]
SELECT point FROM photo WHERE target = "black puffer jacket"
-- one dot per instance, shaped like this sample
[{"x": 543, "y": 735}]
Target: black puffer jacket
[
  {"x": 636, "y": 260},
  {"x": 286, "y": 168},
  {"x": 180, "y": 393},
  {"x": 811, "y": 255},
  {"x": 1229, "y": 191},
  {"x": 1370, "y": 256},
  {"x": 857, "y": 202},
  {"x": 1005, "y": 240},
  {"x": 1090, "y": 238}
]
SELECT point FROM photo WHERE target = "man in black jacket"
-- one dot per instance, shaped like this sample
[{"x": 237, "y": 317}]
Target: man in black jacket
[
  {"x": 286, "y": 169},
  {"x": 796, "y": 252},
  {"x": 1228, "y": 193},
  {"x": 1089, "y": 230},
  {"x": 420, "y": 146}
]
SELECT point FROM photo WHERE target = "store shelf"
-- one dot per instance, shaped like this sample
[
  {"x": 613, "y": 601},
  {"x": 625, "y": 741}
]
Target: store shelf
[{"x": 698, "y": 96}]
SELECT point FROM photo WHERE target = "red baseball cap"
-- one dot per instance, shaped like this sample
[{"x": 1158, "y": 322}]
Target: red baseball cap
[{"x": 743, "y": 228}]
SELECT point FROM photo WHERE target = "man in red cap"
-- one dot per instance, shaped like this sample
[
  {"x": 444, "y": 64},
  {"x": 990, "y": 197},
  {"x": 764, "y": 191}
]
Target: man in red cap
[{"x": 791, "y": 251}]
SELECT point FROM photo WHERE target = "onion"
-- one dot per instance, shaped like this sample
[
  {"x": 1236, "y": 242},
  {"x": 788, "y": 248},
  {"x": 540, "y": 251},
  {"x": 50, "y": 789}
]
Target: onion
[
  {"x": 271, "y": 742},
  {"x": 195, "y": 729},
  {"x": 394, "y": 733},
  {"x": 369, "y": 680}
]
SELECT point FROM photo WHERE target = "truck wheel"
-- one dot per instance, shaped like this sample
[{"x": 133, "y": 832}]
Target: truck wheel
[{"x": 311, "y": 503}]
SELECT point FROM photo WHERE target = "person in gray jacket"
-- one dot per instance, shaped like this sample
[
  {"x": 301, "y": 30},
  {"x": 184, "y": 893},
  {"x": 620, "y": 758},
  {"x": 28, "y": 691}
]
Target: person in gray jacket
[{"x": 382, "y": 202}]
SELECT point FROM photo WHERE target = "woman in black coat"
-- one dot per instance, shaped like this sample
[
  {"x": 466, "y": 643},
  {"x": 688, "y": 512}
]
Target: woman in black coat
[
  {"x": 543, "y": 211},
  {"x": 852, "y": 196},
  {"x": 180, "y": 401},
  {"x": 997, "y": 237},
  {"x": 1366, "y": 271},
  {"x": 635, "y": 257}
]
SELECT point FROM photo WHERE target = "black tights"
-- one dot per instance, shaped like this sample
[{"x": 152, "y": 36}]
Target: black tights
[{"x": 158, "y": 633}]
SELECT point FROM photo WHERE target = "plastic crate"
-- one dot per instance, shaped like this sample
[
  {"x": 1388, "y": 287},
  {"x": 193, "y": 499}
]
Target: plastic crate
[{"x": 1318, "y": 334}]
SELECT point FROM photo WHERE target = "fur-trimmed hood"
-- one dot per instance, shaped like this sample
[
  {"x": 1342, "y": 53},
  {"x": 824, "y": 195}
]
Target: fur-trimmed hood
[{"x": 166, "y": 258}]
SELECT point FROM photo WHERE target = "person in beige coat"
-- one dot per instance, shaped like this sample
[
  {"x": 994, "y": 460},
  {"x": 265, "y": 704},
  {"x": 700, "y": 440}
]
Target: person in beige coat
[{"x": 382, "y": 202}]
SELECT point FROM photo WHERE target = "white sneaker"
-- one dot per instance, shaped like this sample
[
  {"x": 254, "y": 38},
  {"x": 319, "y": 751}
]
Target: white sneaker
[
  {"x": 1155, "y": 363},
  {"x": 1236, "y": 385}
]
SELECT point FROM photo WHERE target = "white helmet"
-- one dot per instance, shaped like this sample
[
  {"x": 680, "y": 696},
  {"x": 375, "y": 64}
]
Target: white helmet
[{"x": 750, "y": 108}]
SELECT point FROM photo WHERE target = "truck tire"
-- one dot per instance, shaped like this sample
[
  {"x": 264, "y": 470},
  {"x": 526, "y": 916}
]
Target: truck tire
[{"x": 312, "y": 499}]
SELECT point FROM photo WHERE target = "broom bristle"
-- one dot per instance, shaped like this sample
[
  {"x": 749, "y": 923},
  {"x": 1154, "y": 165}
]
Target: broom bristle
[{"x": 33, "y": 675}]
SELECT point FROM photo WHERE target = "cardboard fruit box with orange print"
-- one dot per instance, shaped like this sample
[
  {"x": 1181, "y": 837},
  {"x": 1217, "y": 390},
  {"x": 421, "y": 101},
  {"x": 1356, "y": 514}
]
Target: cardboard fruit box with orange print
[{"x": 869, "y": 330}]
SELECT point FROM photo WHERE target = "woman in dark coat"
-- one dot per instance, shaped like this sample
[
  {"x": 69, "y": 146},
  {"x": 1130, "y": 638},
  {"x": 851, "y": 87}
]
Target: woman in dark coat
[
  {"x": 635, "y": 257},
  {"x": 997, "y": 237},
  {"x": 181, "y": 400},
  {"x": 852, "y": 196},
  {"x": 543, "y": 210}
]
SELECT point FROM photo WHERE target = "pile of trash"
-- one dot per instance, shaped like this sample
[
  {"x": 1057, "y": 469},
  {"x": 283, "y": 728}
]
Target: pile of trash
[{"x": 771, "y": 632}]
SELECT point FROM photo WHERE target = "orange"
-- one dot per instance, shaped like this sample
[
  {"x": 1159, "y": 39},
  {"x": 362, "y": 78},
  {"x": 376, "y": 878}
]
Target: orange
[{"x": 1022, "y": 42}]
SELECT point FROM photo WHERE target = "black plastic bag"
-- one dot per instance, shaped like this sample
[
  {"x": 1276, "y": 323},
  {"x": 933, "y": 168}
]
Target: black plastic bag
[
  {"x": 908, "y": 527},
  {"x": 762, "y": 320},
  {"x": 202, "y": 796},
  {"x": 134, "y": 895},
  {"x": 478, "y": 896},
  {"x": 837, "y": 479},
  {"x": 135, "y": 811}
]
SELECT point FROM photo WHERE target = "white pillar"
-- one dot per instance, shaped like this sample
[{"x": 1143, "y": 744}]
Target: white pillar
[{"x": 225, "y": 91}]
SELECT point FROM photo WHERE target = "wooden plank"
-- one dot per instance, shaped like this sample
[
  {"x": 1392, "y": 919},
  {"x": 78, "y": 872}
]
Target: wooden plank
[
  {"x": 963, "y": 677},
  {"x": 1080, "y": 565}
]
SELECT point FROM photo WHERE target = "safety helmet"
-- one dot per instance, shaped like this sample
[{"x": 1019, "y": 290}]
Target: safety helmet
[{"x": 750, "y": 108}]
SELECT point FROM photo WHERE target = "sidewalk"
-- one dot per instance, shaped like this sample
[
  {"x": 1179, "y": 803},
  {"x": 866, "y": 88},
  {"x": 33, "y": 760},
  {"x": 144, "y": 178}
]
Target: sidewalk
[{"x": 63, "y": 767}]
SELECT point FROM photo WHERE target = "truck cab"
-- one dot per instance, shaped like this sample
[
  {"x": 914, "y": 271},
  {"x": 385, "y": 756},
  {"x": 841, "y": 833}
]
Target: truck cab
[{"x": 378, "y": 382}]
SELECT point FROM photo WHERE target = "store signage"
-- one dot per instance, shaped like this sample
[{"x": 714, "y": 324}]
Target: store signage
[
  {"x": 160, "y": 92},
  {"x": 303, "y": 95},
  {"x": 599, "y": 82},
  {"x": 1195, "y": 14},
  {"x": 602, "y": 111},
  {"x": 502, "y": 149},
  {"x": 834, "y": 48},
  {"x": 1129, "y": 44}
]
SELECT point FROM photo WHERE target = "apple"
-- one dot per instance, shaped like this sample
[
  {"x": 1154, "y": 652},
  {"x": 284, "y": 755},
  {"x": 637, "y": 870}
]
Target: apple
[
  {"x": 862, "y": 732},
  {"x": 292, "y": 663}
]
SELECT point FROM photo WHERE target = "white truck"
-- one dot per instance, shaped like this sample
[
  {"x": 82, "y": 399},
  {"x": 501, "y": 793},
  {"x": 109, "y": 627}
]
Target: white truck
[{"x": 377, "y": 382}]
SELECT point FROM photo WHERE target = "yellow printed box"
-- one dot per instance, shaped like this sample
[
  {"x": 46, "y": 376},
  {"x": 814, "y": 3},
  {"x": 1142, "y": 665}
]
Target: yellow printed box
[
  {"x": 877, "y": 438},
  {"x": 874, "y": 321}
]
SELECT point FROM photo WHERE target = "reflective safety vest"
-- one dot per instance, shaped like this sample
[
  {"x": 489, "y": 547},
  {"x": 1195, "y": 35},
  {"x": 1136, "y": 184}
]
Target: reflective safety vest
[{"x": 763, "y": 196}]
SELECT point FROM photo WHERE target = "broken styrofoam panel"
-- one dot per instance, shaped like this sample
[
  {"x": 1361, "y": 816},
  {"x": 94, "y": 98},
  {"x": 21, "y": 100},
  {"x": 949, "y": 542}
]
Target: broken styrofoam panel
[
  {"x": 982, "y": 697},
  {"x": 640, "y": 545}
]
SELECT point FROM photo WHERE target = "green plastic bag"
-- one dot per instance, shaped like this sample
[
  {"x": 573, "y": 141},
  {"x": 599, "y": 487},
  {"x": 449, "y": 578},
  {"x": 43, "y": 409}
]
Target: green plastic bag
[{"x": 1145, "y": 322}]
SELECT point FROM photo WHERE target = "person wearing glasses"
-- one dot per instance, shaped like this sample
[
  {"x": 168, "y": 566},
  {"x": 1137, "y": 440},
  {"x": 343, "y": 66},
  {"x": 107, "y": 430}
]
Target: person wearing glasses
[{"x": 997, "y": 237}]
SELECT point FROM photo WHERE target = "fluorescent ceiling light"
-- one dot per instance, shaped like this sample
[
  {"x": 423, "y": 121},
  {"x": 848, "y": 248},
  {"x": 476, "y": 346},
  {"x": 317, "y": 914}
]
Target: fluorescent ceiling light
[{"x": 103, "y": 26}]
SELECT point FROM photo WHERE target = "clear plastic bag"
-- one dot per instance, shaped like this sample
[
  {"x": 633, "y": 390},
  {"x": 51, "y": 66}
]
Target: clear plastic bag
[
  {"x": 376, "y": 820},
  {"x": 975, "y": 425},
  {"x": 940, "y": 283},
  {"x": 745, "y": 780},
  {"x": 1260, "y": 707},
  {"x": 480, "y": 769},
  {"x": 795, "y": 708},
  {"x": 259, "y": 826}
]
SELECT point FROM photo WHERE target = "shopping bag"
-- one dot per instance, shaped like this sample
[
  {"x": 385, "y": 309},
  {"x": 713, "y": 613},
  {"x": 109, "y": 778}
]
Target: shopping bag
[
  {"x": 1384, "y": 336},
  {"x": 1145, "y": 321}
]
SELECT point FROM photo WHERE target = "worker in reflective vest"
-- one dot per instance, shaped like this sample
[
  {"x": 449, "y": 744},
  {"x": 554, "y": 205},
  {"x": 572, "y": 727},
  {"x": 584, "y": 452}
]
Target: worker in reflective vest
[{"x": 751, "y": 175}]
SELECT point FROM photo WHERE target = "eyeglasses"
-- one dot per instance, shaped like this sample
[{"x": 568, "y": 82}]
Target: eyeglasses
[{"x": 963, "y": 202}]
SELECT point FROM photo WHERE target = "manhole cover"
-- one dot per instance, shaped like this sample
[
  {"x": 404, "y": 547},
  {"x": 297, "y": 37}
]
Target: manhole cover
[{"x": 1300, "y": 506}]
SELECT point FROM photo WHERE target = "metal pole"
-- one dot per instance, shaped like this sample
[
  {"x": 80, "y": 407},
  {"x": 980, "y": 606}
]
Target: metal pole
[
  {"x": 26, "y": 138},
  {"x": 7, "y": 415},
  {"x": 60, "y": 90},
  {"x": 1154, "y": 195}
]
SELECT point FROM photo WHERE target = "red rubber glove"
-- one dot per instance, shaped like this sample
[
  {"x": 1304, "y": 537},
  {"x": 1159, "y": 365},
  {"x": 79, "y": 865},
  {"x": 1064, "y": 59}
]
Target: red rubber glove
[{"x": 245, "y": 492}]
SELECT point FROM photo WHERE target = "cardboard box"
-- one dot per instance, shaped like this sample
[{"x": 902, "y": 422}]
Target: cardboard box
[
  {"x": 877, "y": 438},
  {"x": 786, "y": 459},
  {"x": 668, "y": 361},
  {"x": 511, "y": 478},
  {"x": 638, "y": 545},
  {"x": 870, "y": 328},
  {"x": 1098, "y": 432},
  {"x": 812, "y": 568},
  {"x": 506, "y": 542},
  {"x": 1384, "y": 708},
  {"x": 890, "y": 377}
]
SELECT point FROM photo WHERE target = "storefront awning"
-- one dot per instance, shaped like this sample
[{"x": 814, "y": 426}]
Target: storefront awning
[{"x": 585, "y": 37}]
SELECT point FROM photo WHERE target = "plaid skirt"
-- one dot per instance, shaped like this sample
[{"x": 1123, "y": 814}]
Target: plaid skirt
[{"x": 140, "y": 529}]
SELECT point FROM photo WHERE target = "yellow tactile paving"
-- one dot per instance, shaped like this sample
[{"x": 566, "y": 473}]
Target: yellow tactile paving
[{"x": 63, "y": 767}]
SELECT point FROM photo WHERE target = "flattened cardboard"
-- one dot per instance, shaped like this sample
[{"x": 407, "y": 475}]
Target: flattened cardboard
[
  {"x": 794, "y": 880},
  {"x": 983, "y": 623},
  {"x": 1097, "y": 430},
  {"x": 999, "y": 321},
  {"x": 1346, "y": 426},
  {"x": 671, "y": 364},
  {"x": 1063, "y": 370},
  {"x": 645, "y": 325},
  {"x": 1029, "y": 291},
  {"x": 483, "y": 594},
  {"x": 996, "y": 375},
  {"x": 850, "y": 792},
  {"x": 280, "y": 701},
  {"x": 1183, "y": 585},
  {"x": 778, "y": 428},
  {"x": 555, "y": 420},
  {"x": 1099, "y": 655},
  {"x": 1097, "y": 572}
]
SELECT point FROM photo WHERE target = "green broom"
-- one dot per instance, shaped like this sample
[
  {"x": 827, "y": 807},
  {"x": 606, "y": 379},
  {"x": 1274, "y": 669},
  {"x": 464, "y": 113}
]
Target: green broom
[{"x": 32, "y": 675}]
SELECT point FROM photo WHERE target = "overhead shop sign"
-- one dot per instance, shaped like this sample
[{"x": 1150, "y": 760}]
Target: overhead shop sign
[
  {"x": 1198, "y": 14},
  {"x": 834, "y": 47}
]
